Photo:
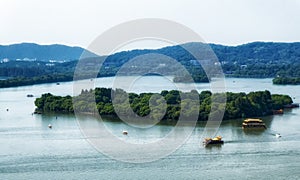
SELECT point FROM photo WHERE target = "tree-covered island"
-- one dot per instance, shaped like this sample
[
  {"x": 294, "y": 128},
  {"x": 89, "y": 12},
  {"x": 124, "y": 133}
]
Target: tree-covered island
[
  {"x": 238, "y": 105},
  {"x": 286, "y": 80}
]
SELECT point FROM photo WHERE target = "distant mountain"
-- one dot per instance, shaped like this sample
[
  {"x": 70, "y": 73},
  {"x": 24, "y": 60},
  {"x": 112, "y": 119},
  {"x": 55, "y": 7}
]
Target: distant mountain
[
  {"x": 253, "y": 60},
  {"x": 256, "y": 59},
  {"x": 265, "y": 52},
  {"x": 31, "y": 51},
  {"x": 251, "y": 53}
]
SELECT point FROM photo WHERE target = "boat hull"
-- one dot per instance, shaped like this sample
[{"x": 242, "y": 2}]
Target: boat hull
[
  {"x": 254, "y": 127},
  {"x": 212, "y": 142}
]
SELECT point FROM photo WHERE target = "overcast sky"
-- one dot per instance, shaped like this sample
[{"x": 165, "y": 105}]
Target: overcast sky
[{"x": 79, "y": 22}]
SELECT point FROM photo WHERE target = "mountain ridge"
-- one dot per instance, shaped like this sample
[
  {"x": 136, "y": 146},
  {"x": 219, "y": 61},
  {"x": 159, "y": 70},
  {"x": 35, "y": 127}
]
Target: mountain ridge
[
  {"x": 255, "y": 59},
  {"x": 40, "y": 52},
  {"x": 33, "y": 51}
]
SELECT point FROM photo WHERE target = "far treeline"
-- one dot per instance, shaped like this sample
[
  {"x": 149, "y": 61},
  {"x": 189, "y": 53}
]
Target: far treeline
[
  {"x": 239, "y": 105},
  {"x": 23, "y": 81}
]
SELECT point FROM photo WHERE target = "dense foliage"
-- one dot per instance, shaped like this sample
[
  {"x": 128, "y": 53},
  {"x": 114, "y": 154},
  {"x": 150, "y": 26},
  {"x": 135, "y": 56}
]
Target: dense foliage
[
  {"x": 104, "y": 101},
  {"x": 287, "y": 80}
]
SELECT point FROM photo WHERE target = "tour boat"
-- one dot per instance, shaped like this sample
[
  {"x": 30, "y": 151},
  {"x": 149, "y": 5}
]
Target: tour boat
[
  {"x": 253, "y": 124},
  {"x": 216, "y": 140}
]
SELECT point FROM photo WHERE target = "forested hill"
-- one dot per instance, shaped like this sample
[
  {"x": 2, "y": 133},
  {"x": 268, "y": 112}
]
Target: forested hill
[
  {"x": 35, "y": 52},
  {"x": 255, "y": 52},
  {"x": 252, "y": 60},
  {"x": 260, "y": 59},
  {"x": 260, "y": 52},
  {"x": 256, "y": 59}
]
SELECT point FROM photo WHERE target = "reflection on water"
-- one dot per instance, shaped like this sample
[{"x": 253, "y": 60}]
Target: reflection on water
[
  {"x": 253, "y": 132},
  {"x": 213, "y": 147}
]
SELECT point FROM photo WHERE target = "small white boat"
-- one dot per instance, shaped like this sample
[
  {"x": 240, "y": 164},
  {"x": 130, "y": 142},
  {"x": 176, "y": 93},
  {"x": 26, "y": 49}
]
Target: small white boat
[
  {"x": 278, "y": 135},
  {"x": 49, "y": 126},
  {"x": 124, "y": 132}
]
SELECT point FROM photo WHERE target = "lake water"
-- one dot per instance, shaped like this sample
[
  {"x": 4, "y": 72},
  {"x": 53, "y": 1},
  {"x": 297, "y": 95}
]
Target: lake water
[{"x": 30, "y": 150}]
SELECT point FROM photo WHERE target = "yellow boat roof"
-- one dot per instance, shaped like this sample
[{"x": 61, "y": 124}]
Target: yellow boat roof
[
  {"x": 253, "y": 120},
  {"x": 215, "y": 138}
]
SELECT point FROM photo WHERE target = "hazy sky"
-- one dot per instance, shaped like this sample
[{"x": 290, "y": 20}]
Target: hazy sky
[{"x": 78, "y": 22}]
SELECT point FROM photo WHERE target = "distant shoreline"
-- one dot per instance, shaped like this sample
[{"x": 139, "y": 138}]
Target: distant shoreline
[{"x": 27, "y": 81}]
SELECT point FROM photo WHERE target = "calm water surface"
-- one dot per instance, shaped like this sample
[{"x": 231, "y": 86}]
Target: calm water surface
[{"x": 30, "y": 150}]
